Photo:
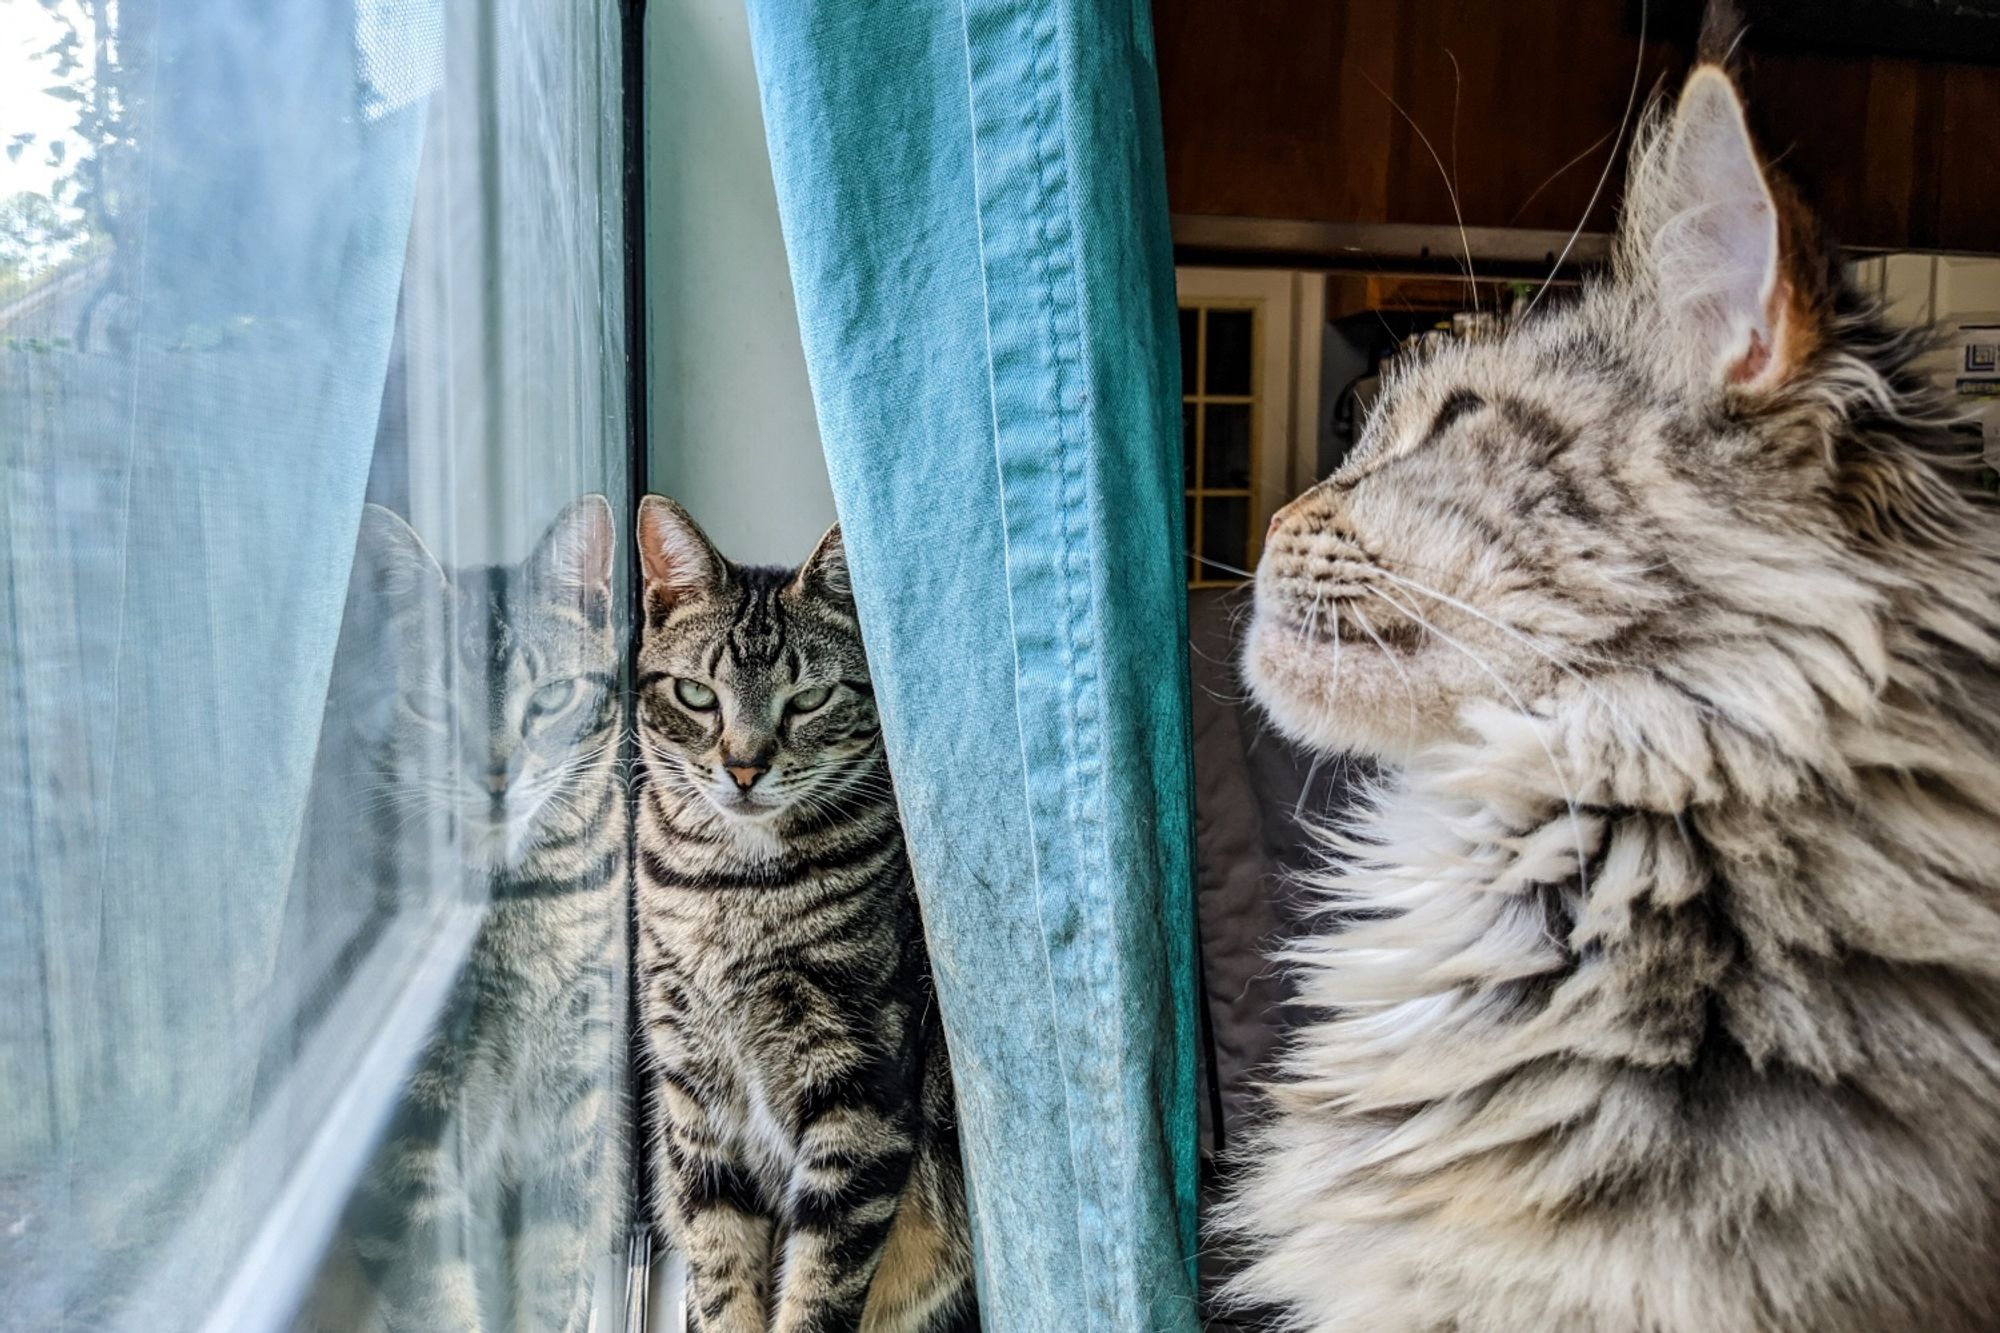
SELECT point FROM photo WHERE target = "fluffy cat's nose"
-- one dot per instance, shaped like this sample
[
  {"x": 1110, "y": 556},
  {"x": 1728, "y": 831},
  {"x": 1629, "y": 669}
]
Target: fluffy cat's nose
[
  {"x": 496, "y": 781},
  {"x": 746, "y": 775},
  {"x": 1305, "y": 511},
  {"x": 1277, "y": 519},
  {"x": 1287, "y": 513}
]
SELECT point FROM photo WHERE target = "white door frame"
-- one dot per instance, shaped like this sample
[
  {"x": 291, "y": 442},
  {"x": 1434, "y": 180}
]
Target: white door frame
[{"x": 1290, "y": 306}]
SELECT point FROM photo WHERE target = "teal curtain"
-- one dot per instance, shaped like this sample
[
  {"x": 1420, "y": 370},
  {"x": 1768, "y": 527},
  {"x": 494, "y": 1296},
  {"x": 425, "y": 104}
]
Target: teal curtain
[{"x": 974, "y": 207}]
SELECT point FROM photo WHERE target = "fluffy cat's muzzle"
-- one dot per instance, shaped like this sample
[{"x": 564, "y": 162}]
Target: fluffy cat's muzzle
[{"x": 1318, "y": 588}]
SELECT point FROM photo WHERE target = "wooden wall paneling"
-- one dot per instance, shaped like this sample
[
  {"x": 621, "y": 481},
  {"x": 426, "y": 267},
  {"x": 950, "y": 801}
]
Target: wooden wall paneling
[
  {"x": 1368, "y": 39},
  {"x": 1968, "y": 204},
  {"x": 1843, "y": 129},
  {"x": 1897, "y": 150},
  {"x": 1270, "y": 112}
]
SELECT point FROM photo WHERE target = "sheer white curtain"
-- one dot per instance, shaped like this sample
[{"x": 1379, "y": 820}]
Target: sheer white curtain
[{"x": 221, "y": 334}]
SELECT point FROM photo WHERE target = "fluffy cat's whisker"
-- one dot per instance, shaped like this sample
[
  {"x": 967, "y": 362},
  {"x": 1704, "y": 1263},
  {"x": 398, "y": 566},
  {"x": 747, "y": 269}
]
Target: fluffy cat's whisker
[
  {"x": 1312, "y": 616},
  {"x": 1451, "y": 190},
  {"x": 1299, "y": 806},
  {"x": 1557, "y": 174},
  {"x": 1389, "y": 656},
  {"x": 1581, "y": 654},
  {"x": 1336, "y": 646},
  {"x": 1457, "y": 94},
  {"x": 1610, "y": 159},
  {"x": 1535, "y": 723},
  {"x": 1224, "y": 567},
  {"x": 1244, "y": 610},
  {"x": 1596, "y": 692}
]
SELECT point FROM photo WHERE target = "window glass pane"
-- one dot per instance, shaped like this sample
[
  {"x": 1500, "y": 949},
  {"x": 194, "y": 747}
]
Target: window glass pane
[
  {"x": 1229, "y": 352},
  {"x": 312, "y": 424},
  {"x": 1225, "y": 534},
  {"x": 1225, "y": 462},
  {"x": 1190, "y": 331},
  {"x": 1188, "y": 453},
  {"x": 1187, "y": 530}
]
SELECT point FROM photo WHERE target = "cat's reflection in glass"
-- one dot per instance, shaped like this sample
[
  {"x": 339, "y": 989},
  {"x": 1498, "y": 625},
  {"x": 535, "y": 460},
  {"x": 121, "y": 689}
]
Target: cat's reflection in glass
[{"x": 481, "y": 718}]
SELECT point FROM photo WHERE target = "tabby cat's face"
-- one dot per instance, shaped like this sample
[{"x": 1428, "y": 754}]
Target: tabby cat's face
[
  {"x": 501, "y": 683},
  {"x": 1657, "y": 467},
  {"x": 753, "y": 685}
]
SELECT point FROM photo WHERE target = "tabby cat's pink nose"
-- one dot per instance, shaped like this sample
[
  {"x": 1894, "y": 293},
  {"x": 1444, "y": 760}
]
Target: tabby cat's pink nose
[{"x": 746, "y": 775}]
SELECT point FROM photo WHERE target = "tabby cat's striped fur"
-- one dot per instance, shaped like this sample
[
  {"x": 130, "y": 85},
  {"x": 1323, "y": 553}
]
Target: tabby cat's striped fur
[
  {"x": 495, "y": 720},
  {"x": 1672, "y": 998},
  {"x": 805, "y": 1153}
]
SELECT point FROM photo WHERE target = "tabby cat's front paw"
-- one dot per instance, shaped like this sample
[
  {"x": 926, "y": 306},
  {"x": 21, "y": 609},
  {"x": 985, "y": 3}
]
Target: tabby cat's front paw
[{"x": 734, "y": 1313}]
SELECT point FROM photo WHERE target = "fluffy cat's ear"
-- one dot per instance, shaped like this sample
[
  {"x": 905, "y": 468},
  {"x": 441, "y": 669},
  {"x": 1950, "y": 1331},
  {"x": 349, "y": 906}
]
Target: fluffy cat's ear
[
  {"x": 575, "y": 555},
  {"x": 824, "y": 574},
  {"x": 675, "y": 557},
  {"x": 1727, "y": 247},
  {"x": 391, "y": 561}
]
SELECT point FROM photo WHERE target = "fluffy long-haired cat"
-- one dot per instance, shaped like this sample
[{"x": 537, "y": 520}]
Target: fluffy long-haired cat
[
  {"x": 805, "y": 1144},
  {"x": 481, "y": 704},
  {"x": 1671, "y": 997}
]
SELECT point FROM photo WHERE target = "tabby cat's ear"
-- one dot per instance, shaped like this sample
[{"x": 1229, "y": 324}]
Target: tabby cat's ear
[
  {"x": 391, "y": 561},
  {"x": 824, "y": 574},
  {"x": 1731, "y": 251},
  {"x": 575, "y": 555},
  {"x": 675, "y": 557}
]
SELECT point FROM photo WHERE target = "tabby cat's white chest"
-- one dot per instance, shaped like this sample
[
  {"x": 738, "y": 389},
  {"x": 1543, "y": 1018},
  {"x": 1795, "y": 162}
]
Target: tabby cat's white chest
[{"x": 762, "y": 1135}]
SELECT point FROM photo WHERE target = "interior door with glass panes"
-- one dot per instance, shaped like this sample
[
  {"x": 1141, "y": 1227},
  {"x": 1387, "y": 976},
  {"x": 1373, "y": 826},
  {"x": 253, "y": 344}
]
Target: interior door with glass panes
[{"x": 1250, "y": 343}]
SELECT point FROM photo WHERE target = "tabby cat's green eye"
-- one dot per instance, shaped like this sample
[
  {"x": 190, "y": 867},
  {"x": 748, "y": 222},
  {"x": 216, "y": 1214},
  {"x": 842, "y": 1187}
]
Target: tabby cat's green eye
[
  {"x": 810, "y": 698},
  {"x": 695, "y": 695},
  {"x": 553, "y": 697}
]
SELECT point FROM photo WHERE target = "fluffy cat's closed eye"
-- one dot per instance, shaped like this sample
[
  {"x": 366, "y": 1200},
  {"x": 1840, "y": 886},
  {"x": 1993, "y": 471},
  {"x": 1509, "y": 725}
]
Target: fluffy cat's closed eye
[{"x": 1671, "y": 997}]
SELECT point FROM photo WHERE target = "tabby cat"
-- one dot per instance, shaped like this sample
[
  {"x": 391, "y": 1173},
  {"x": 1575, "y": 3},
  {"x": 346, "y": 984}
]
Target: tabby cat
[
  {"x": 1671, "y": 998},
  {"x": 805, "y": 1149},
  {"x": 494, "y": 716}
]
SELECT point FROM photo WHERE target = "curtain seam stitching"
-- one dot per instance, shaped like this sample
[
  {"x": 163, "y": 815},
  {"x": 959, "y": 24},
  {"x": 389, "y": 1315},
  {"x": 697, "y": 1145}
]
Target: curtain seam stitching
[
  {"x": 1013, "y": 625},
  {"x": 1081, "y": 651}
]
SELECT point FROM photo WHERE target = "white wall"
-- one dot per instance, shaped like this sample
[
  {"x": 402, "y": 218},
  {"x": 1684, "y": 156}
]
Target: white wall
[
  {"x": 1959, "y": 296},
  {"x": 733, "y": 433},
  {"x": 1926, "y": 289}
]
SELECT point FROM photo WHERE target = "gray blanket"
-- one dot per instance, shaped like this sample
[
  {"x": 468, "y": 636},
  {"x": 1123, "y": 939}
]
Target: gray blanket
[{"x": 1252, "y": 788}]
